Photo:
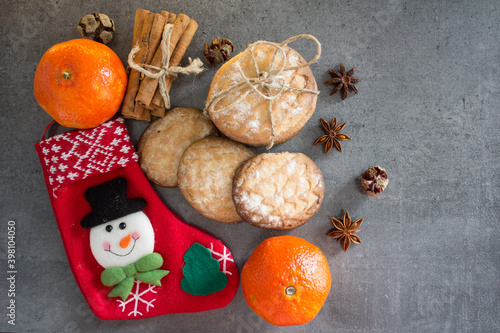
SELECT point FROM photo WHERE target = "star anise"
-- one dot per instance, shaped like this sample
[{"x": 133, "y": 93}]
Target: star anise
[
  {"x": 343, "y": 80},
  {"x": 332, "y": 135},
  {"x": 346, "y": 230}
]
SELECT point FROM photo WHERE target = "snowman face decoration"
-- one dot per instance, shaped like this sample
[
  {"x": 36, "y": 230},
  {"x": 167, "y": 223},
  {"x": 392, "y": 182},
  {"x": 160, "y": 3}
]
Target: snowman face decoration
[{"x": 123, "y": 241}]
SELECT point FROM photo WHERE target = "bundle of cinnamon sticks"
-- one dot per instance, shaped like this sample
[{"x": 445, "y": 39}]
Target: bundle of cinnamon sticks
[{"x": 143, "y": 97}]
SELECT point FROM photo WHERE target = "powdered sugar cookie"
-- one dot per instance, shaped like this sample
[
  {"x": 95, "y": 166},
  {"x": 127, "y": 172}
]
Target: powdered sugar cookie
[
  {"x": 206, "y": 173},
  {"x": 278, "y": 191},
  {"x": 162, "y": 144},
  {"x": 241, "y": 110}
]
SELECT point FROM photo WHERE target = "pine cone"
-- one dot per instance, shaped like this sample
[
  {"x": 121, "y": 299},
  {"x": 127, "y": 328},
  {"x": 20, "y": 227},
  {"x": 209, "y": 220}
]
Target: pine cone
[
  {"x": 98, "y": 27},
  {"x": 374, "y": 181},
  {"x": 219, "y": 51}
]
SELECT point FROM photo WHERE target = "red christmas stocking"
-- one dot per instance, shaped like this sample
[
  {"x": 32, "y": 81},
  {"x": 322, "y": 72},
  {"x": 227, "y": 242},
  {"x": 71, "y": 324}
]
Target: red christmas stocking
[{"x": 130, "y": 255}]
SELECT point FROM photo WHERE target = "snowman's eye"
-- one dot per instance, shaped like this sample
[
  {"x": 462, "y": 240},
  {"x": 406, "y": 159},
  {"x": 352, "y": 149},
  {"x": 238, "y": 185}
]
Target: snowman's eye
[
  {"x": 109, "y": 227},
  {"x": 122, "y": 225}
]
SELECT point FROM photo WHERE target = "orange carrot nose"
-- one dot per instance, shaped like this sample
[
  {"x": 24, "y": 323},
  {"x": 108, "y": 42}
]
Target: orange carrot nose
[{"x": 125, "y": 241}]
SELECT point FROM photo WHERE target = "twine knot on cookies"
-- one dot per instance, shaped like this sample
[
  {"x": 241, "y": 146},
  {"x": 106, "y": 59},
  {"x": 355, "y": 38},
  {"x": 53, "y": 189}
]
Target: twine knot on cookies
[
  {"x": 161, "y": 73},
  {"x": 271, "y": 80}
]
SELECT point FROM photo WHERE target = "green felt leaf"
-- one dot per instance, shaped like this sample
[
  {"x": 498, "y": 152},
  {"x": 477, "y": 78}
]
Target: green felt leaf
[
  {"x": 149, "y": 262},
  {"x": 123, "y": 288},
  {"x": 152, "y": 277},
  {"x": 202, "y": 275},
  {"x": 112, "y": 276}
]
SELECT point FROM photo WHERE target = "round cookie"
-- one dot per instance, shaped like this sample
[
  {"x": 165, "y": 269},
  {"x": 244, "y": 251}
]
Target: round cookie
[
  {"x": 278, "y": 191},
  {"x": 247, "y": 119},
  {"x": 163, "y": 142},
  {"x": 206, "y": 173}
]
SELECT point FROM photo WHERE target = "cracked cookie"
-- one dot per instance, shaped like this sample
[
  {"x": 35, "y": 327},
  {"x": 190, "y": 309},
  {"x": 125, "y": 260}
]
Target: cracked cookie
[
  {"x": 206, "y": 173},
  {"x": 278, "y": 191},
  {"x": 163, "y": 142}
]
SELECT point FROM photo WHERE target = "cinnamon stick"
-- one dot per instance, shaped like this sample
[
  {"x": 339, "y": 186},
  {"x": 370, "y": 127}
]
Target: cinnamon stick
[
  {"x": 142, "y": 113},
  {"x": 181, "y": 48},
  {"x": 155, "y": 36},
  {"x": 175, "y": 59},
  {"x": 148, "y": 86},
  {"x": 169, "y": 17},
  {"x": 160, "y": 112},
  {"x": 157, "y": 102},
  {"x": 140, "y": 14},
  {"x": 149, "y": 40}
]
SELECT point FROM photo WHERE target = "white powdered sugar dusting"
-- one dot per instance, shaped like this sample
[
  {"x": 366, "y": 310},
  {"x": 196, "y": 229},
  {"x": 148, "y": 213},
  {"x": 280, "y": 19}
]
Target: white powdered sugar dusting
[
  {"x": 293, "y": 59},
  {"x": 251, "y": 201},
  {"x": 235, "y": 78},
  {"x": 274, "y": 219},
  {"x": 243, "y": 110},
  {"x": 260, "y": 55},
  {"x": 297, "y": 110},
  {"x": 279, "y": 200},
  {"x": 318, "y": 180},
  {"x": 253, "y": 125},
  {"x": 291, "y": 166},
  {"x": 285, "y": 105}
]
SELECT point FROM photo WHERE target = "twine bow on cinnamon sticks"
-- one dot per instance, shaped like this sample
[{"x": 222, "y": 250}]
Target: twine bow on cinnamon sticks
[
  {"x": 152, "y": 70},
  {"x": 273, "y": 78},
  {"x": 161, "y": 73}
]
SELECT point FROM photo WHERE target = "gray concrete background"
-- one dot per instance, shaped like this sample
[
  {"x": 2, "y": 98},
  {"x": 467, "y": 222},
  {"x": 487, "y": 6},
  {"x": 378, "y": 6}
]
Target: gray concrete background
[{"x": 427, "y": 110}]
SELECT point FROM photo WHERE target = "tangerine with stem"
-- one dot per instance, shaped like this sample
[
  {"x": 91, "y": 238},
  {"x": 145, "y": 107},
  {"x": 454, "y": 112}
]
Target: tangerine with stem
[
  {"x": 80, "y": 83},
  {"x": 286, "y": 280}
]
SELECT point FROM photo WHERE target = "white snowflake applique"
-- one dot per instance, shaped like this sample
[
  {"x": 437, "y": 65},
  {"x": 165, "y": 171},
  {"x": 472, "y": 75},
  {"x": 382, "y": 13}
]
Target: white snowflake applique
[
  {"x": 136, "y": 299},
  {"x": 224, "y": 257}
]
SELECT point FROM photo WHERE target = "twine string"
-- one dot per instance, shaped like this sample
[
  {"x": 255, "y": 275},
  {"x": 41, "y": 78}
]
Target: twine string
[
  {"x": 273, "y": 78},
  {"x": 161, "y": 73}
]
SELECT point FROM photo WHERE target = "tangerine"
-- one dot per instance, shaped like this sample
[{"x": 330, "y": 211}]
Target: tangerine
[
  {"x": 80, "y": 83},
  {"x": 286, "y": 280}
]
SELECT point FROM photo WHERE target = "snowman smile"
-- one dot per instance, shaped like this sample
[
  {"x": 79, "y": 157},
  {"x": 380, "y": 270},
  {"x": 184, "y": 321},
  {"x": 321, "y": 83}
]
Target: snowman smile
[{"x": 107, "y": 248}]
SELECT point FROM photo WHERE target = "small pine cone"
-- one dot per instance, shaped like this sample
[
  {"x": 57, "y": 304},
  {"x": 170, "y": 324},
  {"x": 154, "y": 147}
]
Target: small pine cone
[
  {"x": 219, "y": 51},
  {"x": 98, "y": 27},
  {"x": 374, "y": 181}
]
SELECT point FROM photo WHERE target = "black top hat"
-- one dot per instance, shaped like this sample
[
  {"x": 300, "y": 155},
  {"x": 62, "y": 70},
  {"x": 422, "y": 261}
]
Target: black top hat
[{"x": 109, "y": 202}]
